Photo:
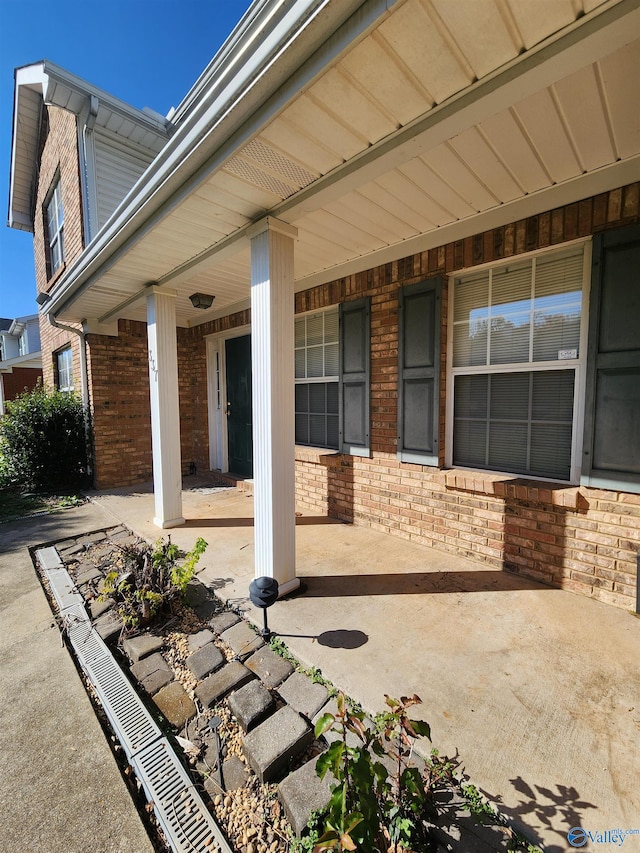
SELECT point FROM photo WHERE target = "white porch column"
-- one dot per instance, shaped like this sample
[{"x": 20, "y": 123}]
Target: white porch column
[
  {"x": 165, "y": 411},
  {"x": 272, "y": 361}
]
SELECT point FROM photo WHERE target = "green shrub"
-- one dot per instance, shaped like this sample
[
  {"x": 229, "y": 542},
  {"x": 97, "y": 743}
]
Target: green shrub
[
  {"x": 151, "y": 578},
  {"x": 43, "y": 441}
]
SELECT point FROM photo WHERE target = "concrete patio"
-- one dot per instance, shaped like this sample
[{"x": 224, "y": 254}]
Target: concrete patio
[{"x": 538, "y": 689}]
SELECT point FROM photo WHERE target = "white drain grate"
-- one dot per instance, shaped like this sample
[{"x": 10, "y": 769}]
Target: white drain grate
[
  {"x": 185, "y": 820},
  {"x": 177, "y": 804}
]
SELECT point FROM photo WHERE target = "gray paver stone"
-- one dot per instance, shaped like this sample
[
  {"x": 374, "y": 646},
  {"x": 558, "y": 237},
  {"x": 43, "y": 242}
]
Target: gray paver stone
[
  {"x": 85, "y": 573},
  {"x": 92, "y": 538},
  {"x": 270, "y": 668},
  {"x": 71, "y": 550},
  {"x": 108, "y": 625},
  {"x": 175, "y": 704},
  {"x": 152, "y": 672},
  {"x": 234, "y": 773},
  {"x": 205, "y": 660},
  {"x": 303, "y": 694},
  {"x": 251, "y": 704},
  {"x": 196, "y": 593},
  {"x": 271, "y": 746},
  {"x": 303, "y": 792},
  {"x": 221, "y": 621},
  {"x": 99, "y": 606},
  {"x": 140, "y": 647},
  {"x": 242, "y": 639},
  {"x": 231, "y": 677},
  {"x": 199, "y": 639},
  {"x": 206, "y": 609}
]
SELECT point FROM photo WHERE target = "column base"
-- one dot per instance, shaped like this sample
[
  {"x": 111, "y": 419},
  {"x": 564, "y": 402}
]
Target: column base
[
  {"x": 173, "y": 522},
  {"x": 289, "y": 586}
]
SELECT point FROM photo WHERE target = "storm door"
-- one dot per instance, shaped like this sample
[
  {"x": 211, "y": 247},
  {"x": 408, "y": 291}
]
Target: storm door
[{"x": 238, "y": 381}]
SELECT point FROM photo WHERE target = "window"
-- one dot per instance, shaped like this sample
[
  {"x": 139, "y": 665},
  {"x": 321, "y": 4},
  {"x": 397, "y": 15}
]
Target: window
[
  {"x": 22, "y": 344},
  {"x": 64, "y": 369},
  {"x": 317, "y": 374},
  {"x": 55, "y": 228},
  {"x": 517, "y": 337},
  {"x": 332, "y": 376}
]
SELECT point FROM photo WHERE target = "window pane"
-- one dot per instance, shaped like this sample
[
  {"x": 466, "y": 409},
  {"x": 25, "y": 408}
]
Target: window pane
[
  {"x": 317, "y": 398},
  {"x": 300, "y": 364},
  {"x": 510, "y": 396},
  {"x": 332, "y": 397},
  {"x": 300, "y": 333},
  {"x": 508, "y": 447},
  {"x": 558, "y": 306},
  {"x": 331, "y": 360},
  {"x": 552, "y": 396},
  {"x": 302, "y": 429},
  {"x": 470, "y": 342},
  {"x": 332, "y": 431},
  {"x": 331, "y": 326},
  {"x": 302, "y": 398},
  {"x": 471, "y": 396},
  {"x": 314, "y": 330},
  {"x": 470, "y": 443},
  {"x": 510, "y": 333},
  {"x": 317, "y": 430},
  {"x": 315, "y": 362},
  {"x": 551, "y": 450}
]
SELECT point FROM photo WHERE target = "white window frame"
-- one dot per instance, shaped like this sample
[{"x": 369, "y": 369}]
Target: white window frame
[
  {"x": 325, "y": 379},
  {"x": 54, "y": 213},
  {"x": 578, "y": 364},
  {"x": 67, "y": 387}
]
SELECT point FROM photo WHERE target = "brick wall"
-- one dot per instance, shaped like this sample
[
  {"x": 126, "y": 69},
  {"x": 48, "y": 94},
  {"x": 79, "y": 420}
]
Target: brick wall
[
  {"x": 585, "y": 540},
  {"x": 58, "y": 156},
  {"x": 18, "y": 380},
  {"x": 118, "y": 371}
]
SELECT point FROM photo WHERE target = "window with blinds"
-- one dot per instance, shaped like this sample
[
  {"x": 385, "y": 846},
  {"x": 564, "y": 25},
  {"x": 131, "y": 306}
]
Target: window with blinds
[
  {"x": 317, "y": 372},
  {"x": 516, "y": 333}
]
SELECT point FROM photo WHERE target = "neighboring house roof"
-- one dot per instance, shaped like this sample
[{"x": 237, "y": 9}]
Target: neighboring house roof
[
  {"x": 44, "y": 82},
  {"x": 378, "y": 129}
]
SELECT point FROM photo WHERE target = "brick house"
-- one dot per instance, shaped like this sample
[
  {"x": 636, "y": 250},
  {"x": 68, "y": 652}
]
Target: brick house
[
  {"x": 20, "y": 357},
  {"x": 383, "y": 258}
]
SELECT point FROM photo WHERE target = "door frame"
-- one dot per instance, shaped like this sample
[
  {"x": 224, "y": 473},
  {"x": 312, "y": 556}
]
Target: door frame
[{"x": 217, "y": 395}]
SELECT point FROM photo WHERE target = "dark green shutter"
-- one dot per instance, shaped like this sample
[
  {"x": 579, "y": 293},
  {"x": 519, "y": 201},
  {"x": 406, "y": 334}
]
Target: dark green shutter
[
  {"x": 355, "y": 350},
  {"x": 419, "y": 372},
  {"x": 611, "y": 452}
]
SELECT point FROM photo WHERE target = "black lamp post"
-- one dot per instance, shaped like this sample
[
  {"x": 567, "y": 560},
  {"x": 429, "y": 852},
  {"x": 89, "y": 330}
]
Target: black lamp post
[{"x": 263, "y": 592}]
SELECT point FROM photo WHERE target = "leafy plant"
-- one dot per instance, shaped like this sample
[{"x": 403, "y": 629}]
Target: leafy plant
[
  {"x": 371, "y": 806},
  {"x": 151, "y": 578},
  {"x": 44, "y": 441}
]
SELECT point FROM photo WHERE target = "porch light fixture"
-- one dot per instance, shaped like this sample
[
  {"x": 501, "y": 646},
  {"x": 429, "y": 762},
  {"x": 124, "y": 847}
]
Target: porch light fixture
[
  {"x": 42, "y": 298},
  {"x": 201, "y": 300},
  {"x": 263, "y": 592}
]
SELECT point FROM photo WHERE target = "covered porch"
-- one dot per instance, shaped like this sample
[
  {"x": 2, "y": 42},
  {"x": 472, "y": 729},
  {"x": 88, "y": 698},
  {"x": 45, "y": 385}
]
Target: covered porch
[
  {"x": 536, "y": 688},
  {"x": 327, "y": 138}
]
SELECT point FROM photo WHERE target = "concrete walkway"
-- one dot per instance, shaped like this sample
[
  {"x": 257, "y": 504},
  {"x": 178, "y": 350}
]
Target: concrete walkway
[
  {"x": 538, "y": 689},
  {"x": 60, "y": 788}
]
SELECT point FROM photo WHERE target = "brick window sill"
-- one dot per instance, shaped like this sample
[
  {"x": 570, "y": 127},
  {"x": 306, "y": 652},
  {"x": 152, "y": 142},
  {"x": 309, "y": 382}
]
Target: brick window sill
[
  {"x": 313, "y": 454},
  {"x": 515, "y": 488}
]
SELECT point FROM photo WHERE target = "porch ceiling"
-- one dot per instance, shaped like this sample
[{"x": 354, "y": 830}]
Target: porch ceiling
[{"x": 427, "y": 129}]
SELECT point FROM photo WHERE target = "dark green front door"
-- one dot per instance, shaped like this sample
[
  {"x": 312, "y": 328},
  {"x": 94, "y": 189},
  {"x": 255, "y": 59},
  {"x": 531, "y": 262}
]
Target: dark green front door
[{"x": 240, "y": 440}]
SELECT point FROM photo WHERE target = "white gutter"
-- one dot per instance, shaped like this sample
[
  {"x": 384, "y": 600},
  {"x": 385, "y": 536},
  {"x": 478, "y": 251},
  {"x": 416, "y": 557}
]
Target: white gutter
[{"x": 238, "y": 96}]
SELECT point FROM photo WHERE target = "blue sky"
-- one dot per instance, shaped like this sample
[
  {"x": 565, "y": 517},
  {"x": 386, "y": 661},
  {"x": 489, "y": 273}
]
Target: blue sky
[{"x": 147, "y": 52}]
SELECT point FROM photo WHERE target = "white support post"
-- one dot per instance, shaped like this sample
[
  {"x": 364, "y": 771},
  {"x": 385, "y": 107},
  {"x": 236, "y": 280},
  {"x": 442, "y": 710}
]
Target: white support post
[
  {"x": 165, "y": 410},
  {"x": 272, "y": 359}
]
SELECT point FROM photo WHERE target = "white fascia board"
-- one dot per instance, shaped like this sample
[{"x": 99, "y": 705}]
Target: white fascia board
[
  {"x": 31, "y": 359},
  {"x": 243, "y": 104}
]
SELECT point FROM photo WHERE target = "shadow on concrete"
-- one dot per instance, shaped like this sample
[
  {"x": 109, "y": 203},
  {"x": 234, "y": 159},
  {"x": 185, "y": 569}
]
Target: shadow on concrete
[
  {"x": 415, "y": 583},
  {"x": 552, "y": 808},
  {"x": 341, "y": 638},
  {"x": 248, "y": 522}
]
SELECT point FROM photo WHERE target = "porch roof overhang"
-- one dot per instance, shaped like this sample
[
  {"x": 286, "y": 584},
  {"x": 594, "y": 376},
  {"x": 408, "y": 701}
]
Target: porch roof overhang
[{"x": 377, "y": 129}]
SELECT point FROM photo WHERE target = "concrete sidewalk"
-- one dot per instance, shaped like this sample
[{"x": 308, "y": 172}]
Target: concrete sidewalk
[
  {"x": 60, "y": 788},
  {"x": 538, "y": 689}
]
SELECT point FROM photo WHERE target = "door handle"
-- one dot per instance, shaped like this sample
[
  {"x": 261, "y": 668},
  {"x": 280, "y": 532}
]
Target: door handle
[{"x": 228, "y": 408}]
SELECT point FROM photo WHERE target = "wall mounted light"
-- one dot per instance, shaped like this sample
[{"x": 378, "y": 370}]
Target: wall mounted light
[
  {"x": 201, "y": 300},
  {"x": 42, "y": 298}
]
